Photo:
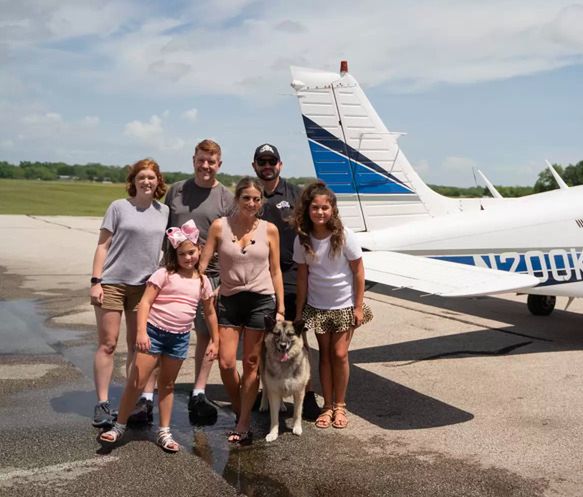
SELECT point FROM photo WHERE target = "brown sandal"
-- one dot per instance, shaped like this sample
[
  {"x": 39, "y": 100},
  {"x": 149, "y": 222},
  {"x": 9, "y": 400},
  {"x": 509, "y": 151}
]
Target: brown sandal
[
  {"x": 325, "y": 418},
  {"x": 340, "y": 420}
]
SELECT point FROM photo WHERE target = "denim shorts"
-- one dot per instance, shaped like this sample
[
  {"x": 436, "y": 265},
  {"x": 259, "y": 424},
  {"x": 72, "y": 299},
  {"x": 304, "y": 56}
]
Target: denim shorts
[
  {"x": 164, "y": 342},
  {"x": 246, "y": 310}
]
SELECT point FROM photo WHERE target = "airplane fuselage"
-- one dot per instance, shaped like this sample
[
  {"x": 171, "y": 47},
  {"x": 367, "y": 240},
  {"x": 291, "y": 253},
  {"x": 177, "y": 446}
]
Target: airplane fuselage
[{"x": 540, "y": 234}]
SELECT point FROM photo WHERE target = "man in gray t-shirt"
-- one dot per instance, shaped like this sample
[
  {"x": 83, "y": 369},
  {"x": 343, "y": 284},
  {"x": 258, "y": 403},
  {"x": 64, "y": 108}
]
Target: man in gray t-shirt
[{"x": 203, "y": 199}]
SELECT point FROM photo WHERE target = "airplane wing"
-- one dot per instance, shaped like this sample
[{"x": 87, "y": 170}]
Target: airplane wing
[{"x": 433, "y": 276}]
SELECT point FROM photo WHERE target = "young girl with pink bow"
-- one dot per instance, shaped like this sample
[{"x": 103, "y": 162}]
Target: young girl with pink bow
[{"x": 165, "y": 315}]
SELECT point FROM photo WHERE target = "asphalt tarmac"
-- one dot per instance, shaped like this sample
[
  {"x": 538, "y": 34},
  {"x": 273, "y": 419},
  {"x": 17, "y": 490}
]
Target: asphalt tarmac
[{"x": 471, "y": 397}]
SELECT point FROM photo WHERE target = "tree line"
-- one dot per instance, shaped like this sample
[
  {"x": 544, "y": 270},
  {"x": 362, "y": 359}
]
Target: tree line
[
  {"x": 100, "y": 173},
  {"x": 52, "y": 171}
]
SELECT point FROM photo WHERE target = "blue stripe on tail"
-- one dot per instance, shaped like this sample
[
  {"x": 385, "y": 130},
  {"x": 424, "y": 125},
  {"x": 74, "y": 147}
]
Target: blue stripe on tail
[{"x": 333, "y": 158}]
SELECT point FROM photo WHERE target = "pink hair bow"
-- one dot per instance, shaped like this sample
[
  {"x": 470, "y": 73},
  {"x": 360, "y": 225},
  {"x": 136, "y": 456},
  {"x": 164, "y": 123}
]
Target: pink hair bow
[{"x": 188, "y": 231}]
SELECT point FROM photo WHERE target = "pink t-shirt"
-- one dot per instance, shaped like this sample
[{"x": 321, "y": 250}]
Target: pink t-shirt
[{"x": 175, "y": 306}]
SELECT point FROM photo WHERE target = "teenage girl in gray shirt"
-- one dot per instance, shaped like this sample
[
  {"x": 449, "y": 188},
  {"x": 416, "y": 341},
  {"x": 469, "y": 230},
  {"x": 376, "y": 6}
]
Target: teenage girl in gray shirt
[{"x": 128, "y": 252}]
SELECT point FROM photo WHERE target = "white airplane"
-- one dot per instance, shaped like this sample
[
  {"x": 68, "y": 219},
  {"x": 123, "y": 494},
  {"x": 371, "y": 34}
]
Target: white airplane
[{"x": 470, "y": 247}]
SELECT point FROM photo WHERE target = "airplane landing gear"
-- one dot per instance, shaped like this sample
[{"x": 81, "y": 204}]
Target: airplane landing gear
[{"x": 541, "y": 305}]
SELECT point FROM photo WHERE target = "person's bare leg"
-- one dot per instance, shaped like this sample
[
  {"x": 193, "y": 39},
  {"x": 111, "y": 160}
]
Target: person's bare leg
[
  {"x": 202, "y": 364},
  {"x": 309, "y": 386},
  {"x": 324, "y": 420},
  {"x": 148, "y": 390},
  {"x": 340, "y": 364},
  {"x": 252, "y": 343},
  {"x": 108, "y": 323},
  {"x": 325, "y": 367},
  {"x": 341, "y": 374},
  {"x": 140, "y": 373},
  {"x": 229, "y": 341},
  {"x": 131, "y": 334},
  {"x": 169, "y": 368}
]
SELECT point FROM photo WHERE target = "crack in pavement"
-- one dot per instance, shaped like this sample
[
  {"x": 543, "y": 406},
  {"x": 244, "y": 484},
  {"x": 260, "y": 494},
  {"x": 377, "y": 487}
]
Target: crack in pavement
[
  {"x": 36, "y": 218},
  {"x": 499, "y": 352}
]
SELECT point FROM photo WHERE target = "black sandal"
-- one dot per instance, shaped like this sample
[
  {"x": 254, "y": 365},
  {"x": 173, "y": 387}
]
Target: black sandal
[{"x": 241, "y": 438}]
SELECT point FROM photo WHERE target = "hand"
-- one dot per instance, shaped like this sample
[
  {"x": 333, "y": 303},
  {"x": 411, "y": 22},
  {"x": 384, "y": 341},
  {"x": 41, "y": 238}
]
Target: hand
[
  {"x": 142, "y": 342},
  {"x": 279, "y": 316},
  {"x": 358, "y": 316},
  {"x": 96, "y": 294},
  {"x": 212, "y": 351}
]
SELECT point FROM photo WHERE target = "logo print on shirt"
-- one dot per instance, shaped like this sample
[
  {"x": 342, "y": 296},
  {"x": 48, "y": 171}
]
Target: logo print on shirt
[{"x": 283, "y": 204}]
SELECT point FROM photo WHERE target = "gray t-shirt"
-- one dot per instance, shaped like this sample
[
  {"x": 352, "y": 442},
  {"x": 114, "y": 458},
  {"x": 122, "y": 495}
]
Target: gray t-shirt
[
  {"x": 187, "y": 200},
  {"x": 137, "y": 235}
]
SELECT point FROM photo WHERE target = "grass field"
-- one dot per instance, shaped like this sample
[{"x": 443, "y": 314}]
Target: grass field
[{"x": 57, "y": 198}]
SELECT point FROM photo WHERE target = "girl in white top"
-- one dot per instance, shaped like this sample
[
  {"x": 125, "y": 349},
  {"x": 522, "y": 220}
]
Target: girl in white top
[
  {"x": 165, "y": 316},
  {"x": 330, "y": 292}
]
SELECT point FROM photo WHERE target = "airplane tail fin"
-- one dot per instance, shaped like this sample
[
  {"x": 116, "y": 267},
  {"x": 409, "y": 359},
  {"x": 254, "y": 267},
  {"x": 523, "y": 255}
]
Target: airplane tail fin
[{"x": 358, "y": 157}]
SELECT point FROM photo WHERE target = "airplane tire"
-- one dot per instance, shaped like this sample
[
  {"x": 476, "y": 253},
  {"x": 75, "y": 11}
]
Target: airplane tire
[{"x": 541, "y": 305}]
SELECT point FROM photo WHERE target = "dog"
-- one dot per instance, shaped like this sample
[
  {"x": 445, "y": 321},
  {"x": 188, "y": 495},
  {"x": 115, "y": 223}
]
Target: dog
[{"x": 285, "y": 371}]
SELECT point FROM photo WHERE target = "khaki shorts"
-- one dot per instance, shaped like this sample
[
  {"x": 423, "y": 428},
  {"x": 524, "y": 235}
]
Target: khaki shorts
[{"x": 122, "y": 297}]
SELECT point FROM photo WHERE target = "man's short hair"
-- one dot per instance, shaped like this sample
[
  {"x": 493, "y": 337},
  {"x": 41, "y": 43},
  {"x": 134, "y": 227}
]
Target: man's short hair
[{"x": 208, "y": 146}]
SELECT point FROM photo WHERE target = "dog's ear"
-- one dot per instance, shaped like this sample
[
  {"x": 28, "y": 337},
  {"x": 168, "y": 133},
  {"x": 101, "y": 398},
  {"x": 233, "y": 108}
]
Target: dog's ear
[
  {"x": 269, "y": 322},
  {"x": 299, "y": 326}
]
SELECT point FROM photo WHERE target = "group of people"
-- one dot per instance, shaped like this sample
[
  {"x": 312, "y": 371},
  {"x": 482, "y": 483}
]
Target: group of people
[{"x": 229, "y": 260}]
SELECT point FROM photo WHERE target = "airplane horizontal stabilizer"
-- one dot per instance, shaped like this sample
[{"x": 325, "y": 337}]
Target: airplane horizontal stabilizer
[{"x": 437, "y": 277}]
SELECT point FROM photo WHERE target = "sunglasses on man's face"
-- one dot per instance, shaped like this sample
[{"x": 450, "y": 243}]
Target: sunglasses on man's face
[{"x": 272, "y": 161}]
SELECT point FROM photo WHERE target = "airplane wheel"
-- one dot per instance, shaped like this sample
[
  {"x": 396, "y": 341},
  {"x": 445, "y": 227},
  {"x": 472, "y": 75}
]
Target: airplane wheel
[{"x": 541, "y": 305}]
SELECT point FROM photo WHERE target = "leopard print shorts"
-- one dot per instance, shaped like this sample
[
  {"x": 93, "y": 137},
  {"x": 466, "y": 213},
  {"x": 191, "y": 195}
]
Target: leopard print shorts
[{"x": 333, "y": 320}]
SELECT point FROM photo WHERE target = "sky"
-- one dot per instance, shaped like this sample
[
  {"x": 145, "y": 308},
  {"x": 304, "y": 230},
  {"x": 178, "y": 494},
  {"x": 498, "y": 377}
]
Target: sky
[{"x": 492, "y": 85}]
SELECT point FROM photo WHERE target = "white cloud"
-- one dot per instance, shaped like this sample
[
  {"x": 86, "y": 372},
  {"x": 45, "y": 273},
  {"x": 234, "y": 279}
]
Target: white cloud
[
  {"x": 145, "y": 131},
  {"x": 459, "y": 164},
  {"x": 152, "y": 133},
  {"x": 225, "y": 59},
  {"x": 186, "y": 51},
  {"x": 172, "y": 71},
  {"x": 90, "y": 121},
  {"x": 46, "y": 119},
  {"x": 191, "y": 115}
]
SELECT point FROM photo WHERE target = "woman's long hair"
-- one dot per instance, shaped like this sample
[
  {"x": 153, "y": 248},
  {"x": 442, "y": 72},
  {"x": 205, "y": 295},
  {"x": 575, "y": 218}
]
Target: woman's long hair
[{"x": 304, "y": 226}]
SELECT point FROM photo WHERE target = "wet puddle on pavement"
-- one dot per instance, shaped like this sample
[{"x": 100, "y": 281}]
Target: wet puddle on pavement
[
  {"x": 23, "y": 333},
  {"x": 316, "y": 464}
]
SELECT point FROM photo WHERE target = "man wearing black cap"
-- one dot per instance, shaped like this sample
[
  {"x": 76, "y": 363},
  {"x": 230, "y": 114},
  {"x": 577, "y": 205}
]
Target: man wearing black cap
[{"x": 280, "y": 199}]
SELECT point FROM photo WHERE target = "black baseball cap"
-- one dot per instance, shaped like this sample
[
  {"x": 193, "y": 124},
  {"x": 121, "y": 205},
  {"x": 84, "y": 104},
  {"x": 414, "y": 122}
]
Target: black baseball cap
[{"x": 266, "y": 149}]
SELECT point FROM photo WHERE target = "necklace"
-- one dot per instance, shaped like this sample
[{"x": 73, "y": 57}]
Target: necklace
[{"x": 244, "y": 240}]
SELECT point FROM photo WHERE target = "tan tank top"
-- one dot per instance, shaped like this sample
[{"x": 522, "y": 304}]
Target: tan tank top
[{"x": 244, "y": 269}]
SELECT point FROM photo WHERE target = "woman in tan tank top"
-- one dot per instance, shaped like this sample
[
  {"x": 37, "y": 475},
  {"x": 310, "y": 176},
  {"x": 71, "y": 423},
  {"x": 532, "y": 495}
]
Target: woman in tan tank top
[{"x": 251, "y": 287}]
